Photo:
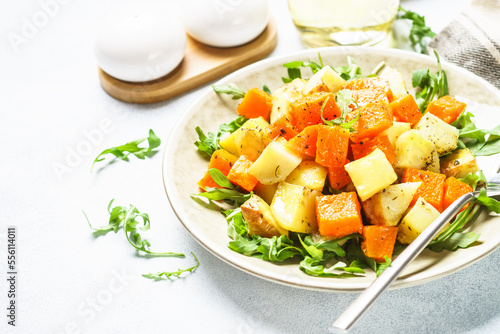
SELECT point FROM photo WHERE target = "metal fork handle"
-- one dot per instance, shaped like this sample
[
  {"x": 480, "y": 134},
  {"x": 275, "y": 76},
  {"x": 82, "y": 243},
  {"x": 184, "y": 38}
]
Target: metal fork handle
[{"x": 354, "y": 312}]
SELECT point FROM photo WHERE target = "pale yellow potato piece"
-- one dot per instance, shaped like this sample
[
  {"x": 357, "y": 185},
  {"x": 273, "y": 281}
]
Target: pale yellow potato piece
[
  {"x": 443, "y": 135},
  {"x": 228, "y": 143},
  {"x": 308, "y": 174},
  {"x": 283, "y": 97},
  {"x": 459, "y": 164},
  {"x": 371, "y": 174},
  {"x": 275, "y": 163},
  {"x": 388, "y": 206},
  {"x": 294, "y": 207},
  {"x": 418, "y": 218},
  {"x": 260, "y": 219},
  {"x": 326, "y": 80},
  {"x": 396, "y": 81},
  {"x": 413, "y": 150},
  {"x": 266, "y": 191},
  {"x": 396, "y": 130}
]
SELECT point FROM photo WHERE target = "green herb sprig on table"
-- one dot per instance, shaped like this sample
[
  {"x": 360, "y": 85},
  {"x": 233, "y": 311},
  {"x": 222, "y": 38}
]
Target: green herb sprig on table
[
  {"x": 123, "y": 151},
  {"x": 170, "y": 274},
  {"x": 420, "y": 33},
  {"x": 230, "y": 89},
  {"x": 132, "y": 222}
]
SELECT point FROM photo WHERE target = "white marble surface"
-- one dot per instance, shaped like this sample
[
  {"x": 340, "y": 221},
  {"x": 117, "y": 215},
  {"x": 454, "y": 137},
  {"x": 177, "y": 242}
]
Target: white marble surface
[{"x": 54, "y": 113}]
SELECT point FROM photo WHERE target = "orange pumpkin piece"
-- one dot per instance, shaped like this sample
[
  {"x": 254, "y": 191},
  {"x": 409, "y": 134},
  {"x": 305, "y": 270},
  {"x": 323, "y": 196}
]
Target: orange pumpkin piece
[
  {"x": 281, "y": 127},
  {"x": 332, "y": 146},
  {"x": 453, "y": 189},
  {"x": 379, "y": 241},
  {"x": 339, "y": 215},
  {"x": 306, "y": 111},
  {"x": 256, "y": 103},
  {"x": 367, "y": 146},
  {"x": 221, "y": 160},
  {"x": 431, "y": 189},
  {"x": 405, "y": 109},
  {"x": 446, "y": 108},
  {"x": 373, "y": 119},
  {"x": 338, "y": 176},
  {"x": 238, "y": 174},
  {"x": 305, "y": 142},
  {"x": 367, "y": 90}
]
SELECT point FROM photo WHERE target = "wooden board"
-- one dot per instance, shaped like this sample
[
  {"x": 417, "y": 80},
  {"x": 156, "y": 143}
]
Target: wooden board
[{"x": 200, "y": 65}]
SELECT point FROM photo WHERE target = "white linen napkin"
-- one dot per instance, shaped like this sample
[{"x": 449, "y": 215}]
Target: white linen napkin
[{"x": 472, "y": 40}]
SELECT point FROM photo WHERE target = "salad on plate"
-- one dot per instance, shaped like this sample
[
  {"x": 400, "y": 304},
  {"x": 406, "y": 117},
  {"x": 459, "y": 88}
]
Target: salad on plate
[{"x": 343, "y": 169}]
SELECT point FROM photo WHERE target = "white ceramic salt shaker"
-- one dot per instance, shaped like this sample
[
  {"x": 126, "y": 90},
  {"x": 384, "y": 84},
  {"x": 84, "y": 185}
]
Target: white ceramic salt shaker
[
  {"x": 139, "y": 43},
  {"x": 224, "y": 23}
]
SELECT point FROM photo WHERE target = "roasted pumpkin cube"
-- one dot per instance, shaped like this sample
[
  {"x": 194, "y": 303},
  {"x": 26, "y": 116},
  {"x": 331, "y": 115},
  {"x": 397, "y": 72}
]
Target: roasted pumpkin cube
[
  {"x": 306, "y": 111},
  {"x": 431, "y": 188},
  {"x": 256, "y": 103},
  {"x": 221, "y": 160},
  {"x": 239, "y": 175},
  {"x": 338, "y": 176},
  {"x": 332, "y": 146},
  {"x": 367, "y": 146},
  {"x": 405, "y": 109},
  {"x": 446, "y": 108},
  {"x": 339, "y": 215},
  {"x": 453, "y": 189},
  {"x": 373, "y": 119},
  {"x": 378, "y": 241}
]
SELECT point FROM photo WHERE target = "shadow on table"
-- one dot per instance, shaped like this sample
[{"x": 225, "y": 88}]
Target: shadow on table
[{"x": 458, "y": 303}]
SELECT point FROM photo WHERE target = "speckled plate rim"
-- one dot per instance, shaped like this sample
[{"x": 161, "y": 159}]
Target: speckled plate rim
[{"x": 208, "y": 227}]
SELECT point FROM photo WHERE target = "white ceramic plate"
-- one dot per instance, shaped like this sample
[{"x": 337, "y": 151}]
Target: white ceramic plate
[{"x": 183, "y": 166}]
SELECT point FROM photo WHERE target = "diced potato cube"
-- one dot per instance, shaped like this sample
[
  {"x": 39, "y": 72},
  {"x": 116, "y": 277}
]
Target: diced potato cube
[
  {"x": 443, "y": 135},
  {"x": 388, "y": 206},
  {"x": 294, "y": 207},
  {"x": 275, "y": 163},
  {"x": 413, "y": 150},
  {"x": 260, "y": 219},
  {"x": 249, "y": 142},
  {"x": 396, "y": 81},
  {"x": 459, "y": 164},
  {"x": 266, "y": 191},
  {"x": 228, "y": 143},
  {"x": 421, "y": 215},
  {"x": 308, "y": 174},
  {"x": 284, "y": 96},
  {"x": 396, "y": 130},
  {"x": 326, "y": 80},
  {"x": 371, "y": 174}
]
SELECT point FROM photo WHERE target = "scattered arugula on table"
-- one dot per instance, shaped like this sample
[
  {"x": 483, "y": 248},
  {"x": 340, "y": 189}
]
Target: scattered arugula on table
[
  {"x": 170, "y": 274},
  {"x": 431, "y": 85},
  {"x": 132, "y": 147},
  {"x": 420, "y": 33},
  {"x": 209, "y": 143},
  {"x": 132, "y": 222}
]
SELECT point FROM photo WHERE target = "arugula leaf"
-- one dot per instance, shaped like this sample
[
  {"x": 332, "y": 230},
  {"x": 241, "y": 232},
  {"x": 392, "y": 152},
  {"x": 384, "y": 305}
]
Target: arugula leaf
[
  {"x": 350, "y": 71},
  {"x": 266, "y": 89},
  {"x": 168, "y": 275},
  {"x": 343, "y": 100},
  {"x": 454, "y": 237},
  {"x": 431, "y": 85},
  {"x": 383, "y": 266},
  {"x": 127, "y": 219},
  {"x": 490, "y": 203},
  {"x": 209, "y": 143},
  {"x": 481, "y": 142},
  {"x": 124, "y": 151},
  {"x": 420, "y": 33},
  {"x": 315, "y": 267},
  {"x": 230, "y": 89},
  {"x": 230, "y": 194},
  {"x": 293, "y": 68}
]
